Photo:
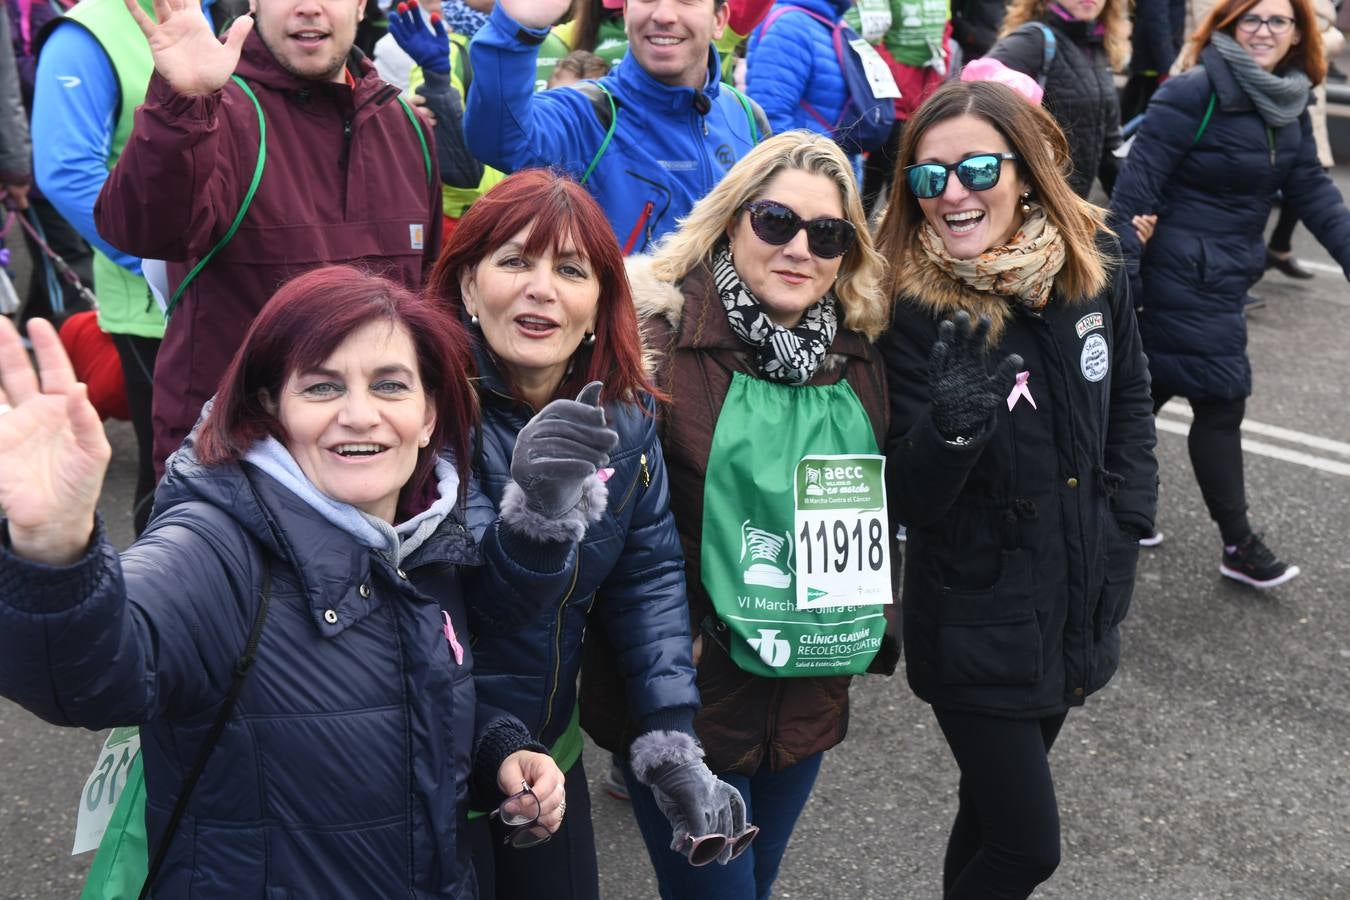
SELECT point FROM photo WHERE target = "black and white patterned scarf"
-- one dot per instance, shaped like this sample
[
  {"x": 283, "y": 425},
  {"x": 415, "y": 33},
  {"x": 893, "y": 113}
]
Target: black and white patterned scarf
[{"x": 787, "y": 355}]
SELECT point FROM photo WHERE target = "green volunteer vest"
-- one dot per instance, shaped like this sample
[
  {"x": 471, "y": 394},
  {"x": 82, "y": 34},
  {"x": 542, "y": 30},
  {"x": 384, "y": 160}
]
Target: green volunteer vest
[
  {"x": 125, "y": 305},
  {"x": 751, "y": 558}
]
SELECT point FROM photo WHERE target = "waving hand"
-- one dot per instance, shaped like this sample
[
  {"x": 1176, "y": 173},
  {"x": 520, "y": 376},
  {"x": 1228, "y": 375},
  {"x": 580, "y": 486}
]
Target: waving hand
[{"x": 186, "y": 51}]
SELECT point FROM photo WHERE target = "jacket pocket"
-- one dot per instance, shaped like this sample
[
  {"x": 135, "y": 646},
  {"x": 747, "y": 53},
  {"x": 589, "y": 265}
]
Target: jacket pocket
[
  {"x": 1122, "y": 556},
  {"x": 992, "y": 636}
]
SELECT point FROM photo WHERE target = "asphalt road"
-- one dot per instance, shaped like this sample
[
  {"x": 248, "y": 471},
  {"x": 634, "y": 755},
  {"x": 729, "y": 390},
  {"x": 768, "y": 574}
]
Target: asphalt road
[{"x": 1216, "y": 765}]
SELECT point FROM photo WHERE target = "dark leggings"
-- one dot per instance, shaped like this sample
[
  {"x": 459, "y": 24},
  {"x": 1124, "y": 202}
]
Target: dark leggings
[
  {"x": 138, "y": 366},
  {"x": 1215, "y": 445},
  {"x": 564, "y": 868},
  {"x": 1281, "y": 239},
  {"x": 1005, "y": 839}
]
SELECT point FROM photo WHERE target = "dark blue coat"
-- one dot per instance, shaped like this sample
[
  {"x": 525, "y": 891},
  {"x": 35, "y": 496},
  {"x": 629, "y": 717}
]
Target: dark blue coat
[
  {"x": 343, "y": 771},
  {"x": 1213, "y": 198},
  {"x": 629, "y": 583},
  {"x": 1023, "y": 543}
]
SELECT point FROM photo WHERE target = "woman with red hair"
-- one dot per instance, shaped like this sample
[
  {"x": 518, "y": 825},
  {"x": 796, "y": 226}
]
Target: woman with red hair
[
  {"x": 305, "y": 588},
  {"x": 1220, "y": 140},
  {"x": 535, "y": 271}
]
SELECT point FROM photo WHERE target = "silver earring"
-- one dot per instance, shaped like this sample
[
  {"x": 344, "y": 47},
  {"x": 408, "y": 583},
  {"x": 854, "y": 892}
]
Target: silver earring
[
  {"x": 589, "y": 339},
  {"x": 473, "y": 321},
  {"x": 1026, "y": 203}
]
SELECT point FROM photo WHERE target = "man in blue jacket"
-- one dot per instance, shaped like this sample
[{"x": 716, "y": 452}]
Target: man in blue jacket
[{"x": 648, "y": 140}]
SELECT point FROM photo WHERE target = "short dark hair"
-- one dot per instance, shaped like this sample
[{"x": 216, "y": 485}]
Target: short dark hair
[{"x": 301, "y": 326}]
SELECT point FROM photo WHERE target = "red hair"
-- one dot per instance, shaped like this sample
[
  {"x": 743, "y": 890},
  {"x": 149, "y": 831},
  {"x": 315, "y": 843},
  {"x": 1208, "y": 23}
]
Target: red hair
[
  {"x": 302, "y": 325},
  {"x": 556, "y": 209},
  {"x": 1306, "y": 54}
]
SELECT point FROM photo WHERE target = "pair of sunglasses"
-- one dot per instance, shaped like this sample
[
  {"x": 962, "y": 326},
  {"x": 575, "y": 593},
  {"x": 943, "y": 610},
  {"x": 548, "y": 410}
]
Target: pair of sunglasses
[
  {"x": 774, "y": 223},
  {"x": 520, "y": 813},
  {"x": 705, "y": 848},
  {"x": 979, "y": 172}
]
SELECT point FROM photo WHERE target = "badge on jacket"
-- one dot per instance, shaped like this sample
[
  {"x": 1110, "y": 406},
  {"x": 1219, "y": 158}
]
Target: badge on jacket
[{"x": 1096, "y": 358}]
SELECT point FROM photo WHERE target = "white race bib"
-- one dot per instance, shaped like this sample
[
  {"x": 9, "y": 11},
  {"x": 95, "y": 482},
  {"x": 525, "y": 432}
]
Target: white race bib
[
  {"x": 840, "y": 530},
  {"x": 104, "y": 787}
]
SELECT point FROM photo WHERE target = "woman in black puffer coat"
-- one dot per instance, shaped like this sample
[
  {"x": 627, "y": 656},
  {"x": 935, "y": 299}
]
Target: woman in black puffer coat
[
  {"x": 1072, "y": 49},
  {"x": 1220, "y": 140}
]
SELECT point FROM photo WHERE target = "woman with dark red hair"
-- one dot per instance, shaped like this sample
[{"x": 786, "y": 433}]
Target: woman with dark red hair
[
  {"x": 536, "y": 272},
  {"x": 290, "y": 632}
]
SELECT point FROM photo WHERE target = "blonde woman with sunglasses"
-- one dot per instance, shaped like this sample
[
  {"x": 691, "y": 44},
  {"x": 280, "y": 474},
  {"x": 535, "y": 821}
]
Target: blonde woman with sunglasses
[
  {"x": 762, "y": 310},
  {"x": 1021, "y": 460}
]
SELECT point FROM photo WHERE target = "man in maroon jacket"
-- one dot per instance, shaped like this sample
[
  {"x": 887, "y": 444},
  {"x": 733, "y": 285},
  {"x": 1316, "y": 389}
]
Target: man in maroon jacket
[{"x": 348, "y": 177}]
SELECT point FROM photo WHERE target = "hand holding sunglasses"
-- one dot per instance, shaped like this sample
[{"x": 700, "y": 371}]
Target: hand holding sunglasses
[
  {"x": 978, "y": 172},
  {"x": 774, "y": 223}
]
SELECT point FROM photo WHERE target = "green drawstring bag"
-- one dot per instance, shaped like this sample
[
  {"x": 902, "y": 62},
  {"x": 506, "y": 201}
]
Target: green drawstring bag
[{"x": 120, "y": 865}]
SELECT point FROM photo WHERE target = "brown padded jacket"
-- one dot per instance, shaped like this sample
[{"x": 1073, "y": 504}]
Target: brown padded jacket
[{"x": 746, "y": 720}]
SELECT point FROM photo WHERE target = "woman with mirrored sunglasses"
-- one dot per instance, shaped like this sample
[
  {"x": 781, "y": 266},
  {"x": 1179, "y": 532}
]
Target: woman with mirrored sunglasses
[
  {"x": 1073, "y": 48},
  {"x": 1220, "y": 140},
  {"x": 762, "y": 309},
  {"x": 1020, "y": 459}
]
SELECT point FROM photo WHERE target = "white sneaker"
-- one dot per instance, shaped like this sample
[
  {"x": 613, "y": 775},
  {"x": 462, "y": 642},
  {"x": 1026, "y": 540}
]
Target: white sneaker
[{"x": 1151, "y": 540}]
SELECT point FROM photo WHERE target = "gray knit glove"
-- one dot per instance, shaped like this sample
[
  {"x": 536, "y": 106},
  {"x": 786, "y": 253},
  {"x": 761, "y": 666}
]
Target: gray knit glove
[
  {"x": 964, "y": 393},
  {"x": 694, "y": 800}
]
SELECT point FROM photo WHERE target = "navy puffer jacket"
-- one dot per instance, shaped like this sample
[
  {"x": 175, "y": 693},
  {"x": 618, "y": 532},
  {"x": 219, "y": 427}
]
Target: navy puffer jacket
[
  {"x": 629, "y": 583},
  {"x": 1213, "y": 198},
  {"x": 791, "y": 60},
  {"x": 343, "y": 771}
]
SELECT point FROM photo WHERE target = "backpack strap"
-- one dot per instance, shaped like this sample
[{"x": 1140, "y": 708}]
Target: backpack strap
[
  {"x": 602, "y": 101},
  {"x": 1204, "y": 123},
  {"x": 836, "y": 35},
  {"x": 417, "y": 130},
  {"x": 243, "y": 208},
  {"x": 1047, "y": 52},
  {"x": 241, "y": 669},
  {"x": 756, "y": 133}
]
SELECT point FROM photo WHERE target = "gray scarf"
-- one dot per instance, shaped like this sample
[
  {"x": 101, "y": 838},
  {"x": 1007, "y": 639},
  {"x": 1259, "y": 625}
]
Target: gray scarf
[{"x": 1280, "y": 99}]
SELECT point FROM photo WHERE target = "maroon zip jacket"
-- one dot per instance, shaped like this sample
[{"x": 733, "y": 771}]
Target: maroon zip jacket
[{"x": 344, "y": 182}]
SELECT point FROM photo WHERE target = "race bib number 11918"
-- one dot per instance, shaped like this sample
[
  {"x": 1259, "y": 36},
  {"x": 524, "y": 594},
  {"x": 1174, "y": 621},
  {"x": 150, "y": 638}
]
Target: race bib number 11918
[{"x": 843, "y": 554}]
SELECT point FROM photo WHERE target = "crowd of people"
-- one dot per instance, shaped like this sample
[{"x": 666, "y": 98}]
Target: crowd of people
[{"x": 452, "y": 334}]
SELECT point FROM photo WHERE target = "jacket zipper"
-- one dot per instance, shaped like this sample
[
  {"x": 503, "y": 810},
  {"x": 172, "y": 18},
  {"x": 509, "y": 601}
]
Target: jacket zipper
[
  {"x": 1270, "y": 139},
  {"x": 646, "y": 482},
  {"x": 637, "y": 229},
  {"x": 557, "y": 644}
]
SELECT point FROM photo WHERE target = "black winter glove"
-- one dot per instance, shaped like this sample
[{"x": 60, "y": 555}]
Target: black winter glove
[{"x": 964, "y": 393}]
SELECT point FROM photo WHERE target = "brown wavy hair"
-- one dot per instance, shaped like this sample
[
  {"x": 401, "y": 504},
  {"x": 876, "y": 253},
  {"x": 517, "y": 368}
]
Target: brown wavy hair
[{"x": 1306, "y": 54}]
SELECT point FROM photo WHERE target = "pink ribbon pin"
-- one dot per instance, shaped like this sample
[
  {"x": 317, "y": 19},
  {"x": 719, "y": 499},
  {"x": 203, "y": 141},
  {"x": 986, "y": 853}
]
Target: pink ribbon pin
[
  {"x": 455, "y": 645},
  {"x": 1020, "y": 390}
]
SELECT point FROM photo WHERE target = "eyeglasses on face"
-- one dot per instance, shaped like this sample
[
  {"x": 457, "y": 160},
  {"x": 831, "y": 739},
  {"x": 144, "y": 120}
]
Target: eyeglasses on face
[
  {"x": 520, "y": 812},
  {"x": 774, "y": 223},
  {"x": 978, "y": 172},
  {"x": 1277, "y": 25}
]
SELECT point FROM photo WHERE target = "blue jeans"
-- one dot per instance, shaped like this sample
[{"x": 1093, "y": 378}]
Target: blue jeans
[{"x": 773, "y": 801}]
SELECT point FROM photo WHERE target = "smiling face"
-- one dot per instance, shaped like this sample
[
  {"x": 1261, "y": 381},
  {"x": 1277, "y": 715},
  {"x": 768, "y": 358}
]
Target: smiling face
[
  {"x": 1266, "y": 48},
  {"x": 309, "y": 38},
  {"x": 355, "y": 424},
  {"x": 670, "y": 38},
  {"x": 533, "y": 311},
  {"x": 787, "y": 278},
  {"x": 1084, "y": 10},
  {"x": 970, "y": 222}
]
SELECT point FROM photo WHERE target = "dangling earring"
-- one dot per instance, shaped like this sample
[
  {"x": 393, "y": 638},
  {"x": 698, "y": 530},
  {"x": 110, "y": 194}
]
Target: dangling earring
[
  {"x": 589, "y": 339},
  {"x": 473, "y": 321},
  {"x": 1026, "y": 203}
]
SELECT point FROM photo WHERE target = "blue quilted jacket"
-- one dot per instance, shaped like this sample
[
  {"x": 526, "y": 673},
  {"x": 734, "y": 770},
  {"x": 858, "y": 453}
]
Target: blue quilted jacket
[
  {"x": 344, "y": 769},
  {"x": 793, "y": 61}
]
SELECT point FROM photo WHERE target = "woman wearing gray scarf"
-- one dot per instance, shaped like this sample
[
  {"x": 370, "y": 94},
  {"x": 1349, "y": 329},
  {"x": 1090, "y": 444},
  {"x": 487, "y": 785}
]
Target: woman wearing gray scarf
[{"x": 1221, "y": 139}]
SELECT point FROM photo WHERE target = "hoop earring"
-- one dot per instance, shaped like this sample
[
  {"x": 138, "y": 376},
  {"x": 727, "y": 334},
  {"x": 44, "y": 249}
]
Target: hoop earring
[
  {"x": 589, "y": 339},
  {"x": 1026, "y": 203}
]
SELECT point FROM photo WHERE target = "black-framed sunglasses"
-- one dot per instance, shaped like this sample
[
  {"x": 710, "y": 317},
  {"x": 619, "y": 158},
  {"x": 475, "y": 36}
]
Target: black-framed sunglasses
[
  {"x": 774, "y": 223},
  {"x": 978, "y": 172},
  {"x": 1277, "y": 25},
  {"x": 520, "y": 813}
]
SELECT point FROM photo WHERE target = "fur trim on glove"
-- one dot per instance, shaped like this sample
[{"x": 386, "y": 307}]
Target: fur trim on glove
[
  {"x": 570, "y": 526},
  {"x": 659, "y": 748}
]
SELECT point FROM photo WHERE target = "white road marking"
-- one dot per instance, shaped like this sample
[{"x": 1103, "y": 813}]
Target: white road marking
[
  {"x": 1183, "y": 410},
  {"x": 1261, "y": 448}
]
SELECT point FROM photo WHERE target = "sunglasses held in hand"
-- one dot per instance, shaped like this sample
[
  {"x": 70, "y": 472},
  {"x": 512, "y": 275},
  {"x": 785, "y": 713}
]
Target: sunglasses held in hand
[
  {"x": 705, "y": 848},
  {"x": 978, "y": 172},
  {"x": 520, "y": 812},
  {"x": 774, "y": 223}
]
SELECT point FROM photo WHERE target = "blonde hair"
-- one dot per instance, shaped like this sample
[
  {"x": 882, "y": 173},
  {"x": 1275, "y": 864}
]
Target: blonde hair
[
  {"x": 1042, "y": 159},
  {"x": 858, "y": 285},
  {"x": 1113, "y": 17}
]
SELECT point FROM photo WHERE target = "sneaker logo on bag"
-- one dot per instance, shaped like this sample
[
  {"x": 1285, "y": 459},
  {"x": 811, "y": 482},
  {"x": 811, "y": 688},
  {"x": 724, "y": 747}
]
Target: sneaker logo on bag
[
  {"x": 771, "y": 648},
  {"x": 769, "y": 555},
  {"x": 1096, "y": 359},
  {"x": 813, "y": 486}
]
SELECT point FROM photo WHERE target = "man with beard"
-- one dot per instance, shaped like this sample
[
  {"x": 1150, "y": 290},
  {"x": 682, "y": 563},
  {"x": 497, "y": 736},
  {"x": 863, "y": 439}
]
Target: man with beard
[{"x": 252, "y": 160}]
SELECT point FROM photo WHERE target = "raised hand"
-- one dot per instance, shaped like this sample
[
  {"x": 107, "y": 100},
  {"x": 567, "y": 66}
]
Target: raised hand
[
  {"x": 53, "y": 452},
  {"x": 187, "y": 53},
  {"x": 430, "y": 49},
  {"x": 559, "y": 449},
  {"x": 536, "y": 13},
  {"x": 964, "y": 392}
]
